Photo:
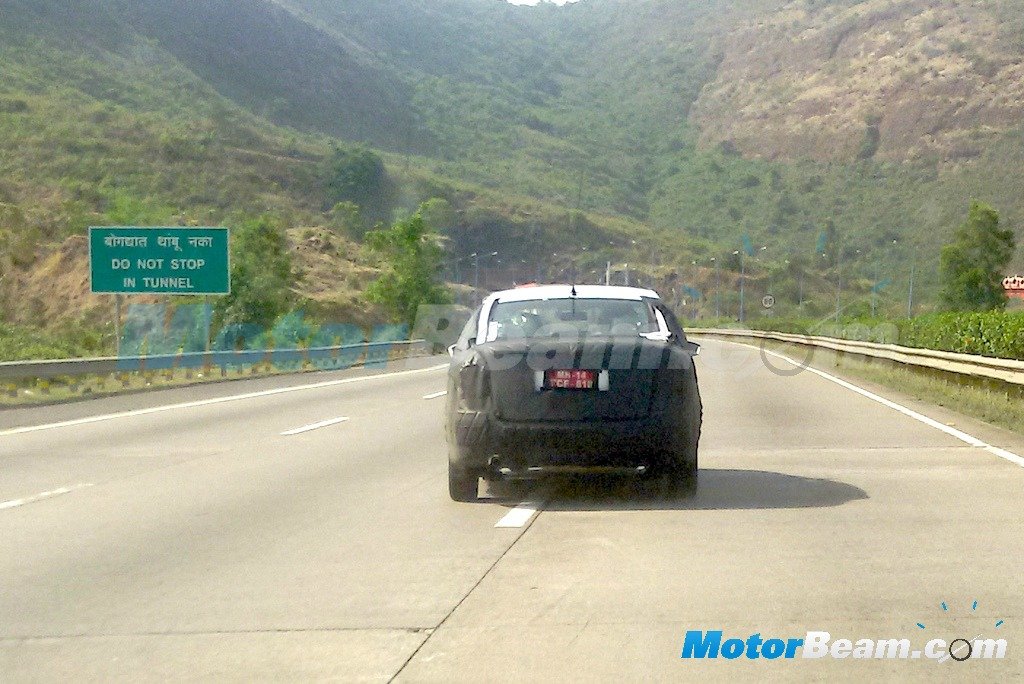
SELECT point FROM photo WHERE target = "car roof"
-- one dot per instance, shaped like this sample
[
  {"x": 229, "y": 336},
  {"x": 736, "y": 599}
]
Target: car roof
[{"x": 534, "y": 292}]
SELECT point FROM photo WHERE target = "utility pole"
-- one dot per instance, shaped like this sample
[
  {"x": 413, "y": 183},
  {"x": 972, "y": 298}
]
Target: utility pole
[
  {"x": 608, "y": 273},
  {"x": 207, "y": 321}
]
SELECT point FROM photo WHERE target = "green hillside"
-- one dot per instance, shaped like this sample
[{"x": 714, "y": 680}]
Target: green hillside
[
  {"x": 101, "y": 125},
  {"x": 676, "y": 127},
  {"x": 688, "y": 115}
]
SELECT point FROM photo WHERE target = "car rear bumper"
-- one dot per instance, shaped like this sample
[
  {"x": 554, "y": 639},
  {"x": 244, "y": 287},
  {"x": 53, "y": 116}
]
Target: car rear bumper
[{"x": 622, "y": 443}]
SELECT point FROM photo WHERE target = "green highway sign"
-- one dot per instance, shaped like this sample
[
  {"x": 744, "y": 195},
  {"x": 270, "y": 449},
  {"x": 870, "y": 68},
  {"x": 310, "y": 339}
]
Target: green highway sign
[{"x": 186, "y": 261}]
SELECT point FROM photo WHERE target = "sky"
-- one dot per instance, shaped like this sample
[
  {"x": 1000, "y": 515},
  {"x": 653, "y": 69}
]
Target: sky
[{"x": 534, "y": 2}]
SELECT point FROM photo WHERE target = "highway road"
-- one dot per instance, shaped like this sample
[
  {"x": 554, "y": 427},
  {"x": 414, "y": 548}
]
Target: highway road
[{"x": 302, "y": 531}]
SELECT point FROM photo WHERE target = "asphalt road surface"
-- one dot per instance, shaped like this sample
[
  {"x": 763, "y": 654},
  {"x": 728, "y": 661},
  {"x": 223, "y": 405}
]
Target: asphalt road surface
[{"x": 208, "y": 536}]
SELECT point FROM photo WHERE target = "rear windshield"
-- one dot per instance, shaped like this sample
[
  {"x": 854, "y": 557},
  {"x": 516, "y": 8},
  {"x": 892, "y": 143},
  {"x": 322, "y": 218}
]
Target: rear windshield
[{"x": 573, "y": 316}]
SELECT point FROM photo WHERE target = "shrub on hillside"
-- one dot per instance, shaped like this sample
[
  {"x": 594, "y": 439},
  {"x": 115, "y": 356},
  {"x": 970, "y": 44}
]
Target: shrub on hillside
[
  {"x": 997, "y": 334},
  {"x": 992, "y": 333}
]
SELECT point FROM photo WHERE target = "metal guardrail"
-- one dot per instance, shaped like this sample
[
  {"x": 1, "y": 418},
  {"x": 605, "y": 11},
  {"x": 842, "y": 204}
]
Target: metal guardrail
[
  {"x": 327, "y": 358},
  {"x": 1005, "y": 370}
]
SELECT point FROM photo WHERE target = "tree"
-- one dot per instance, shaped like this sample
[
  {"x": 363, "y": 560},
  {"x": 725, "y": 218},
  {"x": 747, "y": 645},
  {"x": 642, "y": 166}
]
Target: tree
[
  {"x": 358, "y": 175},
  {"x": 346, "y": 219},
  {"x": 261, "y": 274},
  {"x": 411, "y": 257},
  {"x": 972, "y": 266},
  {"x": 438, "y": 215}
]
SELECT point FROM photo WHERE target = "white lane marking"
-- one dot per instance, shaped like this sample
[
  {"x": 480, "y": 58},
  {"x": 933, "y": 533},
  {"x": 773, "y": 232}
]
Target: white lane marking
[
  {"x": 435, "y": 395},
  {"x": 1003, "y": 453},
  {"x": 43, "y": 495},
  {"x": 951, "y": 431},
  {"x": 313, "y": 426},
  {"x": 518, "y": 516},
  {"x": 210, "y": 402}
]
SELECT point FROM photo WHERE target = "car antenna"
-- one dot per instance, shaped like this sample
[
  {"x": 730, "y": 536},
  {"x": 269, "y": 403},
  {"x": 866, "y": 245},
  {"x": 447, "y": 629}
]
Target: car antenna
[{"x": 572, "y": 292}]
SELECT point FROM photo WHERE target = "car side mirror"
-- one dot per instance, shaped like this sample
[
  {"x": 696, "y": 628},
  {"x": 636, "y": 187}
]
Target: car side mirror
[
  {"x": 691, "y": 347},
  {"x": 453, "y": 348}
]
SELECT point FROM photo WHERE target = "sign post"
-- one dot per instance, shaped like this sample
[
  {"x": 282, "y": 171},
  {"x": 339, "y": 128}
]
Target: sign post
[
  {"x": 172, "y": 261},
  {"x": 117, "y": 324}
]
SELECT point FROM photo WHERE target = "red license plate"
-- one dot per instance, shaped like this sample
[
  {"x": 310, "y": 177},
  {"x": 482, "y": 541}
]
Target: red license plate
[{"x": 570, "y": 379}]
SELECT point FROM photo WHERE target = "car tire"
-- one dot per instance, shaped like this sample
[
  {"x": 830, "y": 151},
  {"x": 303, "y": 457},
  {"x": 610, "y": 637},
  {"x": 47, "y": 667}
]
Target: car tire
[
  {"x": 462, "y": 485},
  {"x": 682, "y": 471},
  {"x": 682, "y": 478}
]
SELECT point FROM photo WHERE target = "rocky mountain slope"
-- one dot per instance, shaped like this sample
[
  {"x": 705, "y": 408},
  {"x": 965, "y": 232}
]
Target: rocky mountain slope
[{"x": 686, "y": 124}]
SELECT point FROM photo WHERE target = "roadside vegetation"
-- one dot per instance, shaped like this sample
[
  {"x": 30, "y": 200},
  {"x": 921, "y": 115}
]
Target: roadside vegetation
[
  {"x": 531, "y": 144},
  {"x": 1002, "y": 407},
  {"x": 411, "y": 277},
  {"x": 998, "y": 334},
  {"x": 24, "y": 343},
  {"x": 974, "y": 319}
]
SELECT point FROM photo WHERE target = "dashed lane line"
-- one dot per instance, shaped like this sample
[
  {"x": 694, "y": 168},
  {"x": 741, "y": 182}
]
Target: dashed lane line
[
  {"x": 15, "y": 503},
  {"x": 314, "y": 426}
]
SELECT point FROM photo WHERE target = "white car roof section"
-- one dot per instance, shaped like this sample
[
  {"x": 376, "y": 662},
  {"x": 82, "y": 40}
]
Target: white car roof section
[
  {"x": 565, "y": 292},
  {"x": 541, "y": 292}
]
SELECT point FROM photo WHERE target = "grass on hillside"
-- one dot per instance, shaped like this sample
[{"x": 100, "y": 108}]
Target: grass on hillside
[
  {"x": 42, "y": 391},
  {"x": 25, "y": 343}
]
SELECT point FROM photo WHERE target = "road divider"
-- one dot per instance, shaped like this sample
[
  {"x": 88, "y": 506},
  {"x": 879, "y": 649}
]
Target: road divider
[
  {"x": 325, "y": 358},
  {"x": 47, "y": 382},
  {"x": 966, "y": 365},
  {"x": 218, "y": 400}
]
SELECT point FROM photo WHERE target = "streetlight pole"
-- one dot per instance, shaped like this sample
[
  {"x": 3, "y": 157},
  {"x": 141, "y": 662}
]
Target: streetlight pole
[
  {"x": 696, "y": 299},
  {"x": 910, "y": 295},
  {"x": 839, "y": 281},
  {"x": 718, "y": 289},
  {"x": 743, "y": 283},
  {"x": 476, "y": 271},
  {"x": 874, "y": 293},
  {"x": 743, "y": 280}
]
